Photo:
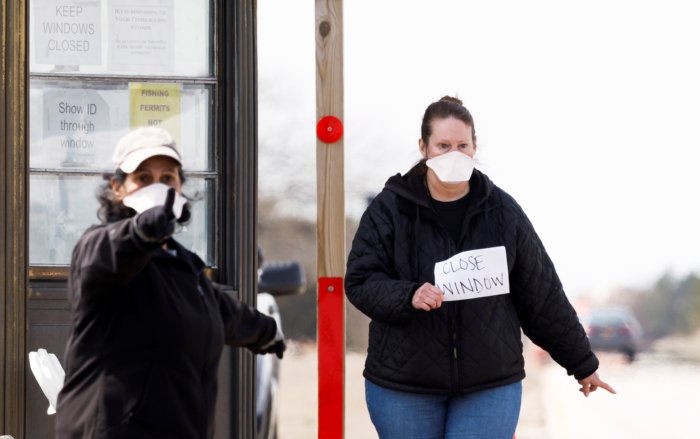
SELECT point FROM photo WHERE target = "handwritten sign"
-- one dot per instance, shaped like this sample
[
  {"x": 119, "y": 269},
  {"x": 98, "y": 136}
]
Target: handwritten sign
[
  {"x": 67, "y": 32},
  {"x": 473, "y": 274}
]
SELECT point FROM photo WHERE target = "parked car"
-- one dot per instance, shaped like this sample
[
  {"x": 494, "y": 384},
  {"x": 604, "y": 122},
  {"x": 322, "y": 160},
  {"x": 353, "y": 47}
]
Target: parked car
[
  {"x": 615, "y": 330},
  {"x": 276, "y": 279}
]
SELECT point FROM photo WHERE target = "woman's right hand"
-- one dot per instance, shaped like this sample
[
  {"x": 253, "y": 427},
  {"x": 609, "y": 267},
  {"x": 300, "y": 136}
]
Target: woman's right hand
[
  {"x": 427, "y": 297},
  {"x": 591, "y": 383},
  {"x": 157, "y": 223}
]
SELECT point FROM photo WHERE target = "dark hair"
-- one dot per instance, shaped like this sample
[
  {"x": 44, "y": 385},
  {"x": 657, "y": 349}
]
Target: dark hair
[
  {"x": 446, "y": 107},
  {"x": 111, "y": 209}
]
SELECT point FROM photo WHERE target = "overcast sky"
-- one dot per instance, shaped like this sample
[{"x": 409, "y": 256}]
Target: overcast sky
[{"x": 587, "y": 113}]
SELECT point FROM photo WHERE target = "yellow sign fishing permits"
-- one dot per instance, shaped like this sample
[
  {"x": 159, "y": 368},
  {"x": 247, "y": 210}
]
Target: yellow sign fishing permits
[{"x": 156, "y": 104}]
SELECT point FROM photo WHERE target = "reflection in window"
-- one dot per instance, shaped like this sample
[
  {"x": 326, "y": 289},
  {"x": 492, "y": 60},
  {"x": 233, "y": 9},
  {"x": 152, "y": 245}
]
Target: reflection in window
[
  {"x": 197, "y": 235},
  {"x": 63, "y": 207}
]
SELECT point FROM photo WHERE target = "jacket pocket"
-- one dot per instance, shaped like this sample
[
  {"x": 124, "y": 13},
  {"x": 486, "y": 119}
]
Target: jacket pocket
[{"x": 123, "y": 396}]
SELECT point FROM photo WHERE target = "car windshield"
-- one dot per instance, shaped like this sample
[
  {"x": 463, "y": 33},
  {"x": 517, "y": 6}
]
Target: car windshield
[{"x": 610, "y": 317}]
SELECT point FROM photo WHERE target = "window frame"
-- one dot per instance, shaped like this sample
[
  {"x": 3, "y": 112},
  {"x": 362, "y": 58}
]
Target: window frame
[{"x": 60, "y": 271}]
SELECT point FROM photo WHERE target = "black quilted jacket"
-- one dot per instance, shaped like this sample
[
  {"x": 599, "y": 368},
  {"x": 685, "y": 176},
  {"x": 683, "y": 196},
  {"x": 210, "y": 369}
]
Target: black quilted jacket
[{"x": 467, "y": 345}]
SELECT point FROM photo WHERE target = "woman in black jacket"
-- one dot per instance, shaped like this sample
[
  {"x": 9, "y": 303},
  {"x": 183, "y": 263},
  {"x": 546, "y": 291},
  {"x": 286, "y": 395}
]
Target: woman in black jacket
[
  {"x": 447, "y": 362},
  {"x": 148, "y": 327}
]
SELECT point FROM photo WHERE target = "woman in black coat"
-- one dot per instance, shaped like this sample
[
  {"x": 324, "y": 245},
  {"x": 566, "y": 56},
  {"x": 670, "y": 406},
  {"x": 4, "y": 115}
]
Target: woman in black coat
[
  {"x": 148, "y": 327},
  {"x": 450, "y": 270}
]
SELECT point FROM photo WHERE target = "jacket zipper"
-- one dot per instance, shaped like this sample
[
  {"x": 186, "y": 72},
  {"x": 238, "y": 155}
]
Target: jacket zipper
[
  {"x": 197, "y": 274},
  {"x": 451, "y": 325},
  {"x": 454, "y": 360},
  {"x": 454, "y": 344},
  {"x": 455, "y": 328},
  {"x": 453, "y": 313}
]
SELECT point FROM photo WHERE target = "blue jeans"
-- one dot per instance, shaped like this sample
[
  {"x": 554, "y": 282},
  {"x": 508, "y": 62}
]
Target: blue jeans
[{"x": 488, "y": 414}]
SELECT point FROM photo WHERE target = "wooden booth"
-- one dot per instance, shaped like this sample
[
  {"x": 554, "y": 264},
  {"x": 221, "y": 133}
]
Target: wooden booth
[{"x": 75, "y": 76}]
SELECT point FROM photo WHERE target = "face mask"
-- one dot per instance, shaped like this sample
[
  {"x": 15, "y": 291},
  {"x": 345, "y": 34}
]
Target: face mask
[
  {"x": 151, "y": 196},
  {"x": 452, "y": 167}
]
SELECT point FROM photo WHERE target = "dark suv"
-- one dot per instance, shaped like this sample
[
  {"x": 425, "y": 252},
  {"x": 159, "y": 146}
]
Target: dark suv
[{"x": 614, "y": 329}]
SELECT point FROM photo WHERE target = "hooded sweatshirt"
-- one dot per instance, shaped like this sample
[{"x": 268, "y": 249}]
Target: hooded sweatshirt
[{"x": 468, "y": 345}]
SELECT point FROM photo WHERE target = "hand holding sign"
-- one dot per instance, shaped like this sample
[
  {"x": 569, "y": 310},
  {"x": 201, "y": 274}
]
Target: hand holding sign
[{"x": 427, "y": 297}]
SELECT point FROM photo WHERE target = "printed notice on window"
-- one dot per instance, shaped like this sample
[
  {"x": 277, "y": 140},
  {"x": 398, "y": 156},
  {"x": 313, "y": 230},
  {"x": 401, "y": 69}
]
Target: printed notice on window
[
  {"x": 156, "y": 104},
  {"x": 473, "y": 274},
  {"x": 75, "y": 127},
  {"x": 67, "y": 33},
  {"x": 141, "y": 36}
]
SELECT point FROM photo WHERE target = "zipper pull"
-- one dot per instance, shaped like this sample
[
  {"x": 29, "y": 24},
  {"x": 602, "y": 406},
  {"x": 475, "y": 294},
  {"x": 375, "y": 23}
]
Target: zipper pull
[{"x": 454, "y": 344}]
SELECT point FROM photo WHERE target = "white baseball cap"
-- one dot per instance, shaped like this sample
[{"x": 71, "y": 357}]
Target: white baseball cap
[{"x": 141, "y": 144}]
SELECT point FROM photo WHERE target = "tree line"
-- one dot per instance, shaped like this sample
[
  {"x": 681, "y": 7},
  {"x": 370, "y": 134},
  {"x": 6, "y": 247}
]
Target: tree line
[{"x": 670, "y": 306}]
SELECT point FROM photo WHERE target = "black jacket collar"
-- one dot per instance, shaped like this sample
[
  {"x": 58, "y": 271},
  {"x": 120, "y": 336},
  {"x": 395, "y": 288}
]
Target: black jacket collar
[{"x": 413, "y": 194}]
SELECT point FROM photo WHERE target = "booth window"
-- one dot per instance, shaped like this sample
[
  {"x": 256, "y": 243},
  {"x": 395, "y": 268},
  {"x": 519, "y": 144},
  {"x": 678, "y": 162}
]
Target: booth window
[{"x": 98, "y": 69}]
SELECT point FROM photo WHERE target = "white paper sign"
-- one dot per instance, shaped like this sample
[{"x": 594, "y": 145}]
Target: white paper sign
[
  {"x": 75, "y": 122},
  {"x": 67, "y": 32},
  {"x": 473, "y": 274},
  {"x": 141, "y": 35}
]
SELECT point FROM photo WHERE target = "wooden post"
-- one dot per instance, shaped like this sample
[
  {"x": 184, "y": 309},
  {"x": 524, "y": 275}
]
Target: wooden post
[{"x": 331, "y": 218}]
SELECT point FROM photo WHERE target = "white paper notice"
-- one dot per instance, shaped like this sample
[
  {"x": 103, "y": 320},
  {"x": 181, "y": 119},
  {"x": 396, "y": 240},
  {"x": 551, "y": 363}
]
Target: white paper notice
[
  {"x": 67, "y": 32},
  {"x": 141, "y": 35},
  {"x": 473, "y": 274},
  {"x": 74, "y": 125}
]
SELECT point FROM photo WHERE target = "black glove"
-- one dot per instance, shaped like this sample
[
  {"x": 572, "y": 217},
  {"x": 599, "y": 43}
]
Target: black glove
[
  {"x": 277, "y": 348},
  {"x": 157, "y": 223},
  {"x": 277, "y": 345}
]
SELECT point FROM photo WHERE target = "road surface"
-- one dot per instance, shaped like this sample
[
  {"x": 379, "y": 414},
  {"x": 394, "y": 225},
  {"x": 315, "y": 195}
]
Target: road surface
[{"x": 657, "y": 399}]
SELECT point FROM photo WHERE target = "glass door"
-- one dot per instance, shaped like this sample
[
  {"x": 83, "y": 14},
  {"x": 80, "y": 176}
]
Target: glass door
[{"x": 97, "y": 69}]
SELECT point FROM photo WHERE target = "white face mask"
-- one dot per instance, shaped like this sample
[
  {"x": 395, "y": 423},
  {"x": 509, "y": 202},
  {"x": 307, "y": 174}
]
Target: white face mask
[
  {"x": 151, "y": 196},
  {"x": 452, "y": 167}
]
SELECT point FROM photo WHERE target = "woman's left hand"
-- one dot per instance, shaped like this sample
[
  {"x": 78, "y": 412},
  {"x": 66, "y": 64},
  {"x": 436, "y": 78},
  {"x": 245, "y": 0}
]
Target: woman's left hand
[{"x": 591, "y": 384}]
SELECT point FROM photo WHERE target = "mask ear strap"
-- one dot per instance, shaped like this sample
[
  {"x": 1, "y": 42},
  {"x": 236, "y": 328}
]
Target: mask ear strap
[{"x": 186, "y": 214}]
